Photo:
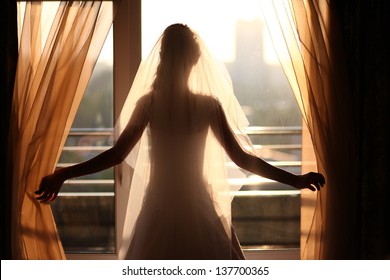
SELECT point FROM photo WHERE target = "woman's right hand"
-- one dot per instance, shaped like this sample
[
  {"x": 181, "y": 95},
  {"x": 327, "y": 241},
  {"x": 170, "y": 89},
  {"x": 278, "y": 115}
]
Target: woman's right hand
[
  {"x": 49, "y": 187},
  {"x": 312, "y": 180}
]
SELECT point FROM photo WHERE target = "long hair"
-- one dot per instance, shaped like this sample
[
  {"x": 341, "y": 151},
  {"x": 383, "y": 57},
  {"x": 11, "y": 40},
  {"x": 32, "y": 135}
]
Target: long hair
[{"x": 179, "y": 52}]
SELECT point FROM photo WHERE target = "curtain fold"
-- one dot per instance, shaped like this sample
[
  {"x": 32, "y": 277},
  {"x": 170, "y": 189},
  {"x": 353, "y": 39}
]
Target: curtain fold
[
  {"x": 56, "y": 59},
  {"x": 306, "y": 37}
]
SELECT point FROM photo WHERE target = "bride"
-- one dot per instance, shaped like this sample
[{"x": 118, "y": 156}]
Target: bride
[{"x": 179, "y": 124}]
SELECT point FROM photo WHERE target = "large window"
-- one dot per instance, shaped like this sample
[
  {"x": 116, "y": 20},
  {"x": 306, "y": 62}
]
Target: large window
[{"x": 266, "y": 214}]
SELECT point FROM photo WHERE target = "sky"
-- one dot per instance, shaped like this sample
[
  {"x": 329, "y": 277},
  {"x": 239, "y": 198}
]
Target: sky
[{"x": 213, "y": 20}]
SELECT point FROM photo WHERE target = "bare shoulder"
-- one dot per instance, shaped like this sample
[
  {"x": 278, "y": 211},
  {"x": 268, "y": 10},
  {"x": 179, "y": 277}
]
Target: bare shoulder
[
  {"x": 144, "y": 100},
  {"x": 207, "y": 102}
]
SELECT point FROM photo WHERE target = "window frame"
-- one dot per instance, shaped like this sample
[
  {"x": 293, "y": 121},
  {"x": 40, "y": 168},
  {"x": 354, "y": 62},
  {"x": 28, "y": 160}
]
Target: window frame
[{"x": 127, "y": 57}]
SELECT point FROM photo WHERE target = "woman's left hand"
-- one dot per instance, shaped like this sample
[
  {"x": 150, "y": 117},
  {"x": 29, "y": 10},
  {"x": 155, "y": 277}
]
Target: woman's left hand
[{"x": 312, "y": 180}]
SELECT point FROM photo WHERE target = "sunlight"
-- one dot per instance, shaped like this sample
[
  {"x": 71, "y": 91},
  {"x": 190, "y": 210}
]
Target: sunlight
[
  {"x": 215, "y": 21},
  {"x": 49, "y": 10}
]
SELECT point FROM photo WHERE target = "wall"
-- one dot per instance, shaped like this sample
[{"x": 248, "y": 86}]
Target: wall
[
  {"x": 365, "y": 26},
  {"x": 8, "y": 58}
]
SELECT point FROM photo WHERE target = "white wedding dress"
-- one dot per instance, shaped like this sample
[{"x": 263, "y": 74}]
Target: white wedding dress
[
  {"x": 178, "y": 218},
  {"x": 180, "y": 200}
]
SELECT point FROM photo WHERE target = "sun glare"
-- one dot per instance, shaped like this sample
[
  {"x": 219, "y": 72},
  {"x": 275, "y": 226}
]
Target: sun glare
[{"x": 215, "y": 21}]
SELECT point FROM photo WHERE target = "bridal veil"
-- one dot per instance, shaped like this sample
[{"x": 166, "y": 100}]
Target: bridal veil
[{"x": 209, "y": 79}]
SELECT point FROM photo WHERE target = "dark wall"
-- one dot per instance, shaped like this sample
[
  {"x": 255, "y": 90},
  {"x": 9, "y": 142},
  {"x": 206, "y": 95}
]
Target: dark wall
[
  {"x": 8, "y": 58},
  {"x": 365, "y": 26}
]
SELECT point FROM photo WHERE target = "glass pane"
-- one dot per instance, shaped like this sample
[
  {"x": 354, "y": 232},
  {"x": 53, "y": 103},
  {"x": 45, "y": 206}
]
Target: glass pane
[
  {"x": 85, "y": 210},
  {"x": 85, "y": 223},
  {"x": 265, "y": 213}
]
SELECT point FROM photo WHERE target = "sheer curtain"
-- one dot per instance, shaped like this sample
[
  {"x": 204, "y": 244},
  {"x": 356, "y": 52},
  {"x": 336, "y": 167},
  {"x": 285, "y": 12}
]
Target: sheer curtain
[
  {"x": 306, "y": 37},
  {"x": 56, "y": 58}
]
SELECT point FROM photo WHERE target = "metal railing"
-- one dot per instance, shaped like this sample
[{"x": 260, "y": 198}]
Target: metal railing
[
  {"x": 249, "y": 181},
  {"x": 88, "y": 231}
]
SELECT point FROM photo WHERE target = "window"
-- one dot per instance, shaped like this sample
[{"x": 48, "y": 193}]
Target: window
[
  {"x": 85, "y": 209},
  {"x": 265, "y": 214}
]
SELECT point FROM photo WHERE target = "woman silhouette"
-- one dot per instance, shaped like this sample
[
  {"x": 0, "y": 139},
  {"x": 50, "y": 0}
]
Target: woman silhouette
[{"x": 185, "y": 120}]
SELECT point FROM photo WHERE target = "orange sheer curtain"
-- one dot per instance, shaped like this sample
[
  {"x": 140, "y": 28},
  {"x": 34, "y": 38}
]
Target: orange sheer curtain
[
  {"x": 307, "y": 40},
  {"x": 52, "y": 73}
]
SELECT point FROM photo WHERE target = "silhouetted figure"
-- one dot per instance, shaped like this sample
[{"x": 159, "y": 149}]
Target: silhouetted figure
[{"x": 185, "y": 118}]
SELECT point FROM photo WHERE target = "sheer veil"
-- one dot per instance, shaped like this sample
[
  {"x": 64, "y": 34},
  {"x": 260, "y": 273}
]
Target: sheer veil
[{"x": 210, "y": 78}]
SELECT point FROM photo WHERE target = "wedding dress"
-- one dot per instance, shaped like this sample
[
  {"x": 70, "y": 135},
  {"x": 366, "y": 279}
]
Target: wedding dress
[{"x": 180, "y": 198}]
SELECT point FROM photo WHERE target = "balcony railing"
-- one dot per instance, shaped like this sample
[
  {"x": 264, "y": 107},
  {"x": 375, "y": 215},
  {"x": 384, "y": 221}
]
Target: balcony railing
[
  {"x": 278, "y": 155},
  {"x": 86, "y": 208}
]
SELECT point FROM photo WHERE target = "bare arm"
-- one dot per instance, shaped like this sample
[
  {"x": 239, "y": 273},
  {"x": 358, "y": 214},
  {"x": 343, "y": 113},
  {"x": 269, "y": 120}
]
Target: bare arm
[
  {"x": 51, "y": 184},
  {"x": 256, "y": 165}
]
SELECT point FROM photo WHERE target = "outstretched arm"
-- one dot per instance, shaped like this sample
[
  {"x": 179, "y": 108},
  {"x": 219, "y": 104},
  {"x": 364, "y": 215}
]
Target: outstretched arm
[
  {"x": 51, "y": 184},
  {"x": 256, "y": 165}
]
